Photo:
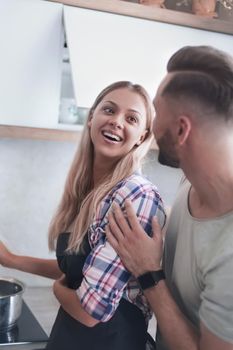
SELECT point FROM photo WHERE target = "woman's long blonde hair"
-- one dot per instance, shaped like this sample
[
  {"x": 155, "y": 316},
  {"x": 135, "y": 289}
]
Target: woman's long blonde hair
[{"x": 80, "y": 199}]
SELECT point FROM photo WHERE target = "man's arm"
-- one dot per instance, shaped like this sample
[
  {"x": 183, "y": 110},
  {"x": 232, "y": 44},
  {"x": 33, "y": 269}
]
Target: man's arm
[
  {"x": 177, "y": 331},
  {"x": 141, "y": 254}
]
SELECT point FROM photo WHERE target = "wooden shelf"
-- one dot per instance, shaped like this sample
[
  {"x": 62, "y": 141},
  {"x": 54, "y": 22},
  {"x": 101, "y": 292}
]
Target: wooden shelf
[
  {"x": 23, "y": 132},
  {"x": 20, "y": 132},
  {"x": 151, "y": 13}
]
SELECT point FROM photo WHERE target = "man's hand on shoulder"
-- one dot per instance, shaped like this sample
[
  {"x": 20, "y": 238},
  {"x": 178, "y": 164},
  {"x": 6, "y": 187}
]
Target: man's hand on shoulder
[{"x": 139, "y": 252}]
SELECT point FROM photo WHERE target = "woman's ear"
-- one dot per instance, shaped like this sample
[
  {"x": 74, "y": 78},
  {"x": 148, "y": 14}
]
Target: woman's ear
[
  {"x": 184, "y": 127},
  {"x": 89, "y": 123},
  {"x": 142, "y": 138}
]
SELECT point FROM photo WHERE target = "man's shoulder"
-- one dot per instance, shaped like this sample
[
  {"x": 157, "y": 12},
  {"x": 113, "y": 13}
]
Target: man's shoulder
[{"x": 180, "y": 204}]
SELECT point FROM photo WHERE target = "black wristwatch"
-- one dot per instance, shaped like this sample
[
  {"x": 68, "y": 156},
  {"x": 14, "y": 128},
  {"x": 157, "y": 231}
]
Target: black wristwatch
[{"x": 150, "y": 279}]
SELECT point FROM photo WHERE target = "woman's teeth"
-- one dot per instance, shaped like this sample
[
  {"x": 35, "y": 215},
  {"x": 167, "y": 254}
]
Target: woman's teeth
[{"x": 112, "y": 137}]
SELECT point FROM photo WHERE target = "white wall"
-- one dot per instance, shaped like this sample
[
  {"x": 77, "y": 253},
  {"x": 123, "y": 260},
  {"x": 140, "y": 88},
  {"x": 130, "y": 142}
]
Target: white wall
[{"x": 32, "y": 175}]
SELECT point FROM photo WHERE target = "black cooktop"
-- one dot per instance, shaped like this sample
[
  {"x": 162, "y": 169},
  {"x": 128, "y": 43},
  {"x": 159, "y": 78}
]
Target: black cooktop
[{"x": 27, "y": 330}]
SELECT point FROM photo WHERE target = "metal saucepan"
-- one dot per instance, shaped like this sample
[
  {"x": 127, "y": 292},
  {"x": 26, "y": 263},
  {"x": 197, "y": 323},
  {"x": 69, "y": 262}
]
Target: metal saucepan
[{"x": 11, "y": 291}]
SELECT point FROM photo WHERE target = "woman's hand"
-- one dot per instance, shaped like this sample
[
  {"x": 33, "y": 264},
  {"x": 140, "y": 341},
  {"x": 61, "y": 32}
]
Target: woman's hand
[
  {"x": 138, "y": 252},
  {"x": 6, "y": 257},
  {"x": 58, "y": 286},
  {"x": 70, "y": 302}
]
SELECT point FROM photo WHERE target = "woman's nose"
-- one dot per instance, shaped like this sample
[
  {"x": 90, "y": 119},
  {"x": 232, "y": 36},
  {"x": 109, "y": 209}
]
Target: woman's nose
[{"x": 117, "y": 122}]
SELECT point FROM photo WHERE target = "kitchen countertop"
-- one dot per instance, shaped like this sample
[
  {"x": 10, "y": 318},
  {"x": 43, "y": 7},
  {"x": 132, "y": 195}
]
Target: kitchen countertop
[{"x": 44, "y": 306}]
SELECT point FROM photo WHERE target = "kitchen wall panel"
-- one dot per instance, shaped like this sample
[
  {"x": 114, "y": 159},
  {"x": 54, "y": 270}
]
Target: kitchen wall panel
[{"x": 31, "y": 37}]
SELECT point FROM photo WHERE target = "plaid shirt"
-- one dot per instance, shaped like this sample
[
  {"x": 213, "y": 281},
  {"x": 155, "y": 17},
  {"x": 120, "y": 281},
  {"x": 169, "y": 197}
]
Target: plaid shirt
[{"x": 106, "y": 280}]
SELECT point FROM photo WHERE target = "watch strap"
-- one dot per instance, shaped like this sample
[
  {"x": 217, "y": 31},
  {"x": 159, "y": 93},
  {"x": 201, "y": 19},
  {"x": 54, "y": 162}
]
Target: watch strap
[{"x": 150, "y": 279}]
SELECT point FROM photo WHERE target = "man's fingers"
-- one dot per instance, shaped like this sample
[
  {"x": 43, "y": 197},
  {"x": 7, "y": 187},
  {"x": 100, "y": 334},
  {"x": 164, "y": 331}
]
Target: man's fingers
[
  {"x": 118, "y": 246},
  {"x": 157, "y": 232},
  {"x": 132, "y": 217},
  {"x": 120, "y": 220}
]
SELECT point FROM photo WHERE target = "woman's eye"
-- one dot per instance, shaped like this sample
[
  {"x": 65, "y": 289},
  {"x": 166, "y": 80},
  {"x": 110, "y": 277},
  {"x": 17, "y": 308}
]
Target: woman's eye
[
  {"x": 108, "y": 110},
  {"x": 132, "y": 119}
]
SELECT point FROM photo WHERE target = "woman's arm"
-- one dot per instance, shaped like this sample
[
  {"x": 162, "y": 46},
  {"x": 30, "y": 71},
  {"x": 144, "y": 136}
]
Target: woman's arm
[
  {"x": 105, "y": 276},
  {"x": 43, "y": 267},
  {"x": 70, "y": 303}
]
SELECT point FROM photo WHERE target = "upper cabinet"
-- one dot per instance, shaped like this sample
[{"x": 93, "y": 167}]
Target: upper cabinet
[
  {"x": 32, "y": 38},
  {"x": 172, "y": 12},
  {"x": 103, "y": 47},
  {"x": 106, "y": 47}
]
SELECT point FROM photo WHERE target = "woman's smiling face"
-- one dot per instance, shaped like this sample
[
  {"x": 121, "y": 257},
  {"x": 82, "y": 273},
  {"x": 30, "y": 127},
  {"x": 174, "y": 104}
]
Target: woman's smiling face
[{"x": 118, "y": 124}]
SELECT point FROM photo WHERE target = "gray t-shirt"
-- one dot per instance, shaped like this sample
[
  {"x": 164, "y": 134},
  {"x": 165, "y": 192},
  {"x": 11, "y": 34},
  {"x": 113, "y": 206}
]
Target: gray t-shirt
[{"x": 198, "y": 262}]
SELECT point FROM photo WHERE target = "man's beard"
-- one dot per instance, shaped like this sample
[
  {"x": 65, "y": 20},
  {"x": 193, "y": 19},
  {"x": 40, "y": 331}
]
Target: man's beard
[{"x": 167, "y": 154}]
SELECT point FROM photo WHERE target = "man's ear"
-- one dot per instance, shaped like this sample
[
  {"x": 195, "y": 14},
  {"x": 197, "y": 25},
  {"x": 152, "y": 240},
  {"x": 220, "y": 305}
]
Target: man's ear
[
  {"x": 183, "y": 129},
  {"x": 142, "y": 138}
]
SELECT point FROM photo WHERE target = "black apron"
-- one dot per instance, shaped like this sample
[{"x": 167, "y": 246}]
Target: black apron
[{"x": 126, "y": 330}]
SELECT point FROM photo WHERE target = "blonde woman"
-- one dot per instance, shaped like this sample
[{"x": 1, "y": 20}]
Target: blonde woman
[{"x": 102, "y": 306}]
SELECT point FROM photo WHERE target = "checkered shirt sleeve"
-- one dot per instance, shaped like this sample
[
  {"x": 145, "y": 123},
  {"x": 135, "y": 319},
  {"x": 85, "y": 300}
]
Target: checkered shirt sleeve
[{"x": 106, "y": 280}]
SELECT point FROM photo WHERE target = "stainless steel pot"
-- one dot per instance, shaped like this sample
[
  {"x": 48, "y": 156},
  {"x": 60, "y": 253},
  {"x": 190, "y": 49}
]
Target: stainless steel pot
[{"x": 11, "y": 291}]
